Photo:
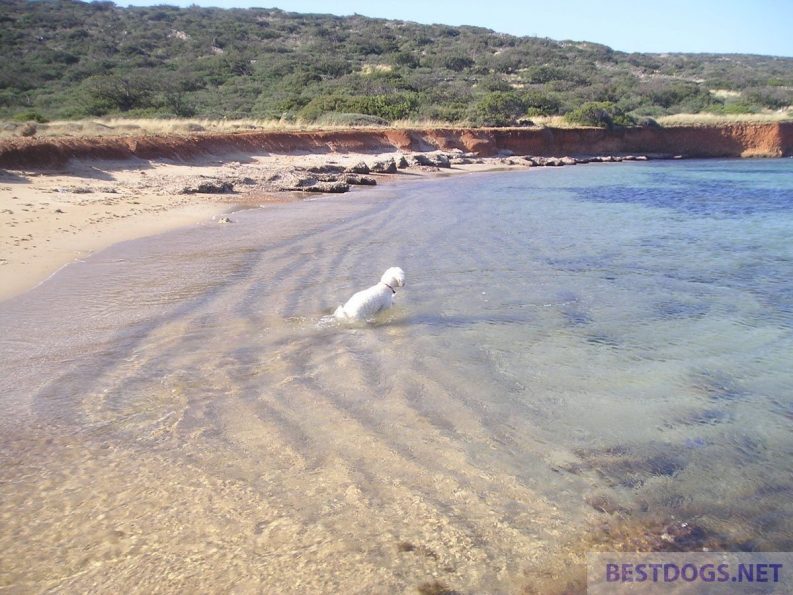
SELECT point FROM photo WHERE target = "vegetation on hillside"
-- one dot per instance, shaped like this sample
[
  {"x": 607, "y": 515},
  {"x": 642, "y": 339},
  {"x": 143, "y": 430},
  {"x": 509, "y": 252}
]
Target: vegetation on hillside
[{"x": 66, "y": 59}]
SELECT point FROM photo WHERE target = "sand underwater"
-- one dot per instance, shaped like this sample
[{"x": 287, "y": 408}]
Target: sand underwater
[{"x": 583, "y": 358}]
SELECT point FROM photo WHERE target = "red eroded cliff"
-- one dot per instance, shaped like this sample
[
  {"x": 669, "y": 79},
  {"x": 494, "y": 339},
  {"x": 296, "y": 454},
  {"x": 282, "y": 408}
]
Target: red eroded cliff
[{"x": 734, "y": 140}]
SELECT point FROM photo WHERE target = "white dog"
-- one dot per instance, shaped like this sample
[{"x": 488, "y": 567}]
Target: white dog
[{"x": 369, "y": 302}]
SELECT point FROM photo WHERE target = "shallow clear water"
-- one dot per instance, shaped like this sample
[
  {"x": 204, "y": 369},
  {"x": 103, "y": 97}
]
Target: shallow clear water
[{"x": 582, "y": 358}]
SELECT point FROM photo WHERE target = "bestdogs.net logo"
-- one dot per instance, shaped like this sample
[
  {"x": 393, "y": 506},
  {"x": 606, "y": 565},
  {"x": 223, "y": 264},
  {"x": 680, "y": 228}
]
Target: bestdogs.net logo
[{"x": 690, "y": 573}]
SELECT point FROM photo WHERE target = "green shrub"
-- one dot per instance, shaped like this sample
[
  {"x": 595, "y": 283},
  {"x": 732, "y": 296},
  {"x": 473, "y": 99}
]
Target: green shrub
[
  {"x": 494, "y": 83},
  {"x": 342, "y": 119},
  {"x": 545, "y": 74},
  {"x": 70, "y": 60},
  {"x": 539, "y": 103},
  {"x": 407, "y": 59},
  {"x": 499, "y": 108},
  {"x": 117, "y": 93},
  {"x": 770, "y": 96},
  {"x": 30, "y": 116},
  {"x": 388, "y": 107},
  {"x": 603, "y": 114},
  {"x": 457, "y": 63},
  {"x": 446, "y": 112}
]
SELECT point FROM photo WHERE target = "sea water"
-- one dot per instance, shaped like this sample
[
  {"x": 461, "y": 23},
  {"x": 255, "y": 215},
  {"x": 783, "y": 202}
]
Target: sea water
[{"x": 588, "y": 358}]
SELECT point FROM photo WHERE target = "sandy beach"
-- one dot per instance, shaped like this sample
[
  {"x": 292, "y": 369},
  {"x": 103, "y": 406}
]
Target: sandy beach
[
  {"x": 63, "y": 199},
  {"x": 51, "y": 217}
]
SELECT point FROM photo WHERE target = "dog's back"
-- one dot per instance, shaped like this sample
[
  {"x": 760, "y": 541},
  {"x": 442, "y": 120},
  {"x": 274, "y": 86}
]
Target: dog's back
[{"x": 365, "y": 304}]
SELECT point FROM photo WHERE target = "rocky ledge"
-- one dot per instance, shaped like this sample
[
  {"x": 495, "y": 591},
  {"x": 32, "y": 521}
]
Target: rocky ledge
[{"x": 334, "y": 178}]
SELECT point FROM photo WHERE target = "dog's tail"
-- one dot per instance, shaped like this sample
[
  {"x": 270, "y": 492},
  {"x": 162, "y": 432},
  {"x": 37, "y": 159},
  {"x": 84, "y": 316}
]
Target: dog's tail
[{"x": 340, "y": 314}]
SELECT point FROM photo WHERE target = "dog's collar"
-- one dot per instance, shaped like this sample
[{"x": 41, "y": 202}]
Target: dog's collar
[{"x": 389, "y": 287}]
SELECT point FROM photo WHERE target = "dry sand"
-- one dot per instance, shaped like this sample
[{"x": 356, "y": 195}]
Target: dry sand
[{"x": 50, "y": 218}]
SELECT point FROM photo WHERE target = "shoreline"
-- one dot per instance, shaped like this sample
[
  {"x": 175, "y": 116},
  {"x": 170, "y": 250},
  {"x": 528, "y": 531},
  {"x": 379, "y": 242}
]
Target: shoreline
[
  {"x": 724, "y": 140},
  {"x": 265, "y": 419},
  {"x": 51, "y": 218},
  {"x": 84, "y": 195}
]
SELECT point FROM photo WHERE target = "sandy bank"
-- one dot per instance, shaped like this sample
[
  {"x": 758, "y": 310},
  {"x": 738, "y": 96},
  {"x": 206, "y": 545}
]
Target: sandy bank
[
  {"x": 51, "y": 216},
  {"x": 61, "y": 199}
]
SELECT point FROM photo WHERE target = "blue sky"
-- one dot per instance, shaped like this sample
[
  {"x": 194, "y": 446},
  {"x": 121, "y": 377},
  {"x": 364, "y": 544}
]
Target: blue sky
[{"x": 729, "y": 26}]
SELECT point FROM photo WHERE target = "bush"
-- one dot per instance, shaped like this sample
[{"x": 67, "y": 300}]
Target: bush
[
  {"x": 457, "y": 63},
  {"x": 668, "y": 94},
  {"x": 603, "y": 114},
  {"x": 450, "y": 112},
  {"x": 407, "y": 59},
  {"x": 770, "y": 97},
  {"x": 494, "y": 83},
  {"x": 541, "y": 104},
  {"x": 118, "y": 93},
  {"x": 499, "y": 108},
  {"x": 342, "y": 119},
  {"x": 388, "y": 107},
  {"x": 545, "y": 74},
  {"x": 648, "y": 122},
  {"x": 30, "y": 116},
  {"x": 215, "y": 62}
]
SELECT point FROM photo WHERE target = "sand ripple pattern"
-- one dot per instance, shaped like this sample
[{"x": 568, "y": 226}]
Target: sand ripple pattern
[{"x": 183, "y": 416}]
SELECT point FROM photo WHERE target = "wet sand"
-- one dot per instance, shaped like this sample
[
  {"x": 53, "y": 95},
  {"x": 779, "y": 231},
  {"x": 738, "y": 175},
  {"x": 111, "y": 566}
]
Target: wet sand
[
  {"x": 49, "y": 218},
  {"x": 292, "y": 483},
  {"x": 178, "y": 417}
]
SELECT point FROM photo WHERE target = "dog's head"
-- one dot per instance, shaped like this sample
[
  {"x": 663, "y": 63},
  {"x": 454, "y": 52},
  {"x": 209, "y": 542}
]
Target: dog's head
[{"x": 395, "y": 277}]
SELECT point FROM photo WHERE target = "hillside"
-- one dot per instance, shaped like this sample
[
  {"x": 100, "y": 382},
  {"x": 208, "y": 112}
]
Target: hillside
[{"x": 67, "y": 59}]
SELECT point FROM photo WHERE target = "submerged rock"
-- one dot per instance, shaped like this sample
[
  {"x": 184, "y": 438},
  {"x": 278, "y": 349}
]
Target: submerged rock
[
  {"x": 333, "y": 187},
  {"x": 360, "y": 180},
  {"x": 632, "y": 466},
  {"x": 209, "y": 187},
  {"x": 422, "y": 160},
  {"x": 306, "y": 182},
  {"x": 330, "y": 169},
  {"x": 358, "y": 168},
  {"x": 296, "y": 182},
  {"x": 385, "y": 167},
  {"x": 442, "y": 160},
  {"x": 437, "y": 160}
]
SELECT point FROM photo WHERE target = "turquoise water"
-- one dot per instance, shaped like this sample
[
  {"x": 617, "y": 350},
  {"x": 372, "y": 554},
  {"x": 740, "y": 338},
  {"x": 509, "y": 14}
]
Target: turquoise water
[{"x": 596, "y": 357}]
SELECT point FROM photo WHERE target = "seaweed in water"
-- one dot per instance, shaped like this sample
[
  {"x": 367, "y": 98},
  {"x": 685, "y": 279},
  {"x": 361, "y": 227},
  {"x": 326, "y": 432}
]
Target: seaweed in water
[
  {"x": 602, "y": 339},
  {"x": 631, "y": 466},
  {"x": 571, "y": 309},
  {"x": 704, "y": 417},
  {"x": 576, "y": 317},
  {"x": 676, "y": 309},
  {"x": 436, "y": 588},
  {"x": 718, "y": 386},
  {"x": 656, "y": 535}
]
